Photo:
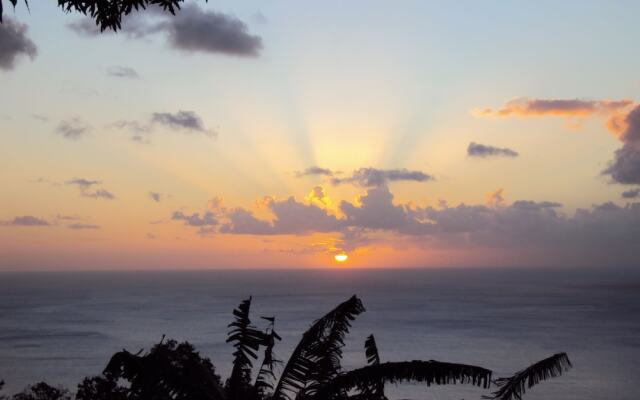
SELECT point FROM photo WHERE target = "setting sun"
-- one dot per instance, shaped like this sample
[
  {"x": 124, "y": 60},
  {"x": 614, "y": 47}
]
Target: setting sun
[{"x": 342, "y": 257}]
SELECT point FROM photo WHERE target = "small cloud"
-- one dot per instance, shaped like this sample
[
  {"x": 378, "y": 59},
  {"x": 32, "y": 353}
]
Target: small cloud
[
  {"x": 118, "y": 71},
  {"x": 151, "y": 236},
  {"x": 485, "y": 151},
  {"x": 73, "y": 128},
  {"x": 314, "y": 171},
  {"x": 14, "y": 44},
  {"x": 26, "y": 220},
  {"x": 157, "y": 197},
  {"x": 372, "y": 177},
  {"x": 86, "y": 187},
  {"x": 187, "y": 121},
  {"x": 83, "y": 226}
]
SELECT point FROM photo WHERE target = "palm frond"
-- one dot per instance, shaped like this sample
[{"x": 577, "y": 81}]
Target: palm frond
[
  {"x": 513, "y": 387},
  {"x": 428, "y": 372},
  {"x": 371, "y": 351},
  {"x": 373, "y": 358},
  {"x": 247, "y": 341},
  {"x": 316, "y": 358}
]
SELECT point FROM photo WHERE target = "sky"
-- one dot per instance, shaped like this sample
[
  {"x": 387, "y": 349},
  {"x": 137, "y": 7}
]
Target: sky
[{"x": 278, "y": 134}]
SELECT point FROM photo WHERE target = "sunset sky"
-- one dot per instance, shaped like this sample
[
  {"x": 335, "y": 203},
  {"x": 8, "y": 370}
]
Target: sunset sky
[{"x": 253, "y": 134}]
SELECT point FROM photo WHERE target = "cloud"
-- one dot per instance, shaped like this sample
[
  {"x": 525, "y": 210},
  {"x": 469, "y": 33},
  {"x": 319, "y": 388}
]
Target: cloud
[
  {"x": 205, "y": 223},
  {"x": 118, "y": 71},
  {"x": 485, "y": 151},
  {"x": 83, "y": 226},
  {"x": 314, "y": 171},
  {"x": 181, "y": 121},
  {"x": 86, "y": 187},
  {"x": 369, "y": 177},
  {"x": 192, "y": 29},
  {"x": 14, "y": 44},
  {"x": 290, "y": 217},
  {"x": 186, "y": 121},
  {"x": 26, "y": 220},
  {"x": 603, "y": 232},
  {"x": 73, "y": 128},
  {"x": 526, "y": 107},
  {"x": 155, "y": 196},
  {"x": 625, "y": 166},
  {"x": 631, "y": 194}
]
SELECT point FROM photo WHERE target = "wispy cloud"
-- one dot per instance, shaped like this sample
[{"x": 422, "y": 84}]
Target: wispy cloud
[
  {"x": 314, "y": 171},
  {"x": 486, "y": 151},
  {"x": 527, "y": 107},
  {"x": 187, "y": 122},
  {"x": 88, "y": 188},
  {"x": 118, "y": 71},
  {"x": 369, "y": 177},
  {"x": 26, "y": 220},
  {"x": 83, "y": 226},
  {"x": 73, "y": 128}
]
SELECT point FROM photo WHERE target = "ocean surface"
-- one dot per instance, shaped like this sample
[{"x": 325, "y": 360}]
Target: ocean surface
[{"x": 60, "y": 327}]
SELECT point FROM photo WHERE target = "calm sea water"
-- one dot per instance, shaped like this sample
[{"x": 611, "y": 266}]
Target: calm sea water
[{"x": 62, "y": 326}]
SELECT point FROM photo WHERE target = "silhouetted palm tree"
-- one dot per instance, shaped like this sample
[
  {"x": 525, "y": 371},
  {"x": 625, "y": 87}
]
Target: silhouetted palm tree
[
  {"x": 513, "y": 387},
  {"x": 108, "y": 13}
]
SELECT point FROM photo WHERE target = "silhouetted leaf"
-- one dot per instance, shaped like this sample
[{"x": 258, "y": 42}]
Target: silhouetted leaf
[
  {"x": 428, "y": 372},
  {"x": 514, "y": 387},
  {"x": 316, "y": 359}
]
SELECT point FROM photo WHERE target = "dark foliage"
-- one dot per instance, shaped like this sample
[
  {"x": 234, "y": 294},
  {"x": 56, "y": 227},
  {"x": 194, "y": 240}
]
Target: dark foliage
[
  {"x": 247, "y": 341},
  {"x": 316, "y": 359},
  {"x": 376, "y": 389},
  {"x": 514, "y": 387},
  {"x": 371, "y": 351},
  {"x": 170, "y": 371},
  {"x": 428, "y": 372},
  {"x": 100, "y": 388},
  {"x": 43, "y": 391},
  {"x": 266, "y": 375},
  {"x": 108, "y": 13}
]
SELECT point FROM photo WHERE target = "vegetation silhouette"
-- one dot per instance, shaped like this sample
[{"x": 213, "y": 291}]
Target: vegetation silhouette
[
  {"x": 176, "y": 371},
  {"x": 107, "y": 14}
]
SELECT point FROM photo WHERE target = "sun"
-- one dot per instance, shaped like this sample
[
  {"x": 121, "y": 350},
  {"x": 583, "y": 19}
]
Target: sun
[{"x": 342, "y": 257}]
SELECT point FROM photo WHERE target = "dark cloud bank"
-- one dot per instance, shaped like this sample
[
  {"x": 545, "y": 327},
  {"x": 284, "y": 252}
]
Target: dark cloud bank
[{"x": 603, "y": 233}]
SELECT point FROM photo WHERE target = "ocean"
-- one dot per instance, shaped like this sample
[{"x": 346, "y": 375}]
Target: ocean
[{"x": 62, "y": 326}]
